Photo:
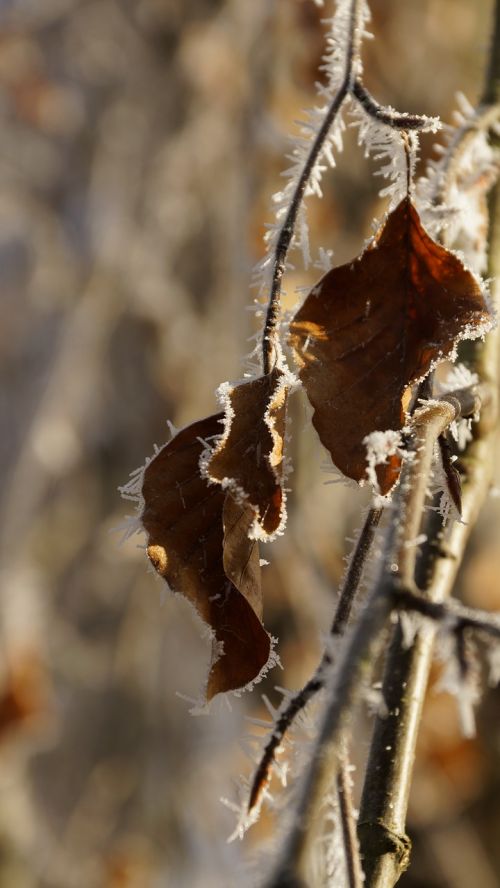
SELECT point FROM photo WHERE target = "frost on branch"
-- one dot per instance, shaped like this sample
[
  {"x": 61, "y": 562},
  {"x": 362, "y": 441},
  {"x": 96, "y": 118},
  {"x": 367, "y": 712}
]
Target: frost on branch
[
  {"x": 447, "y": 483},
  {"x": 334, "y": 67},
  {"x": 327, "y": 856},
  {"x": 452, "y": 196},
  {"x": 373, "y": 327},
  {"x": 385, "y": 145},
  {"x": 197, "y": 540},
  {"x": 382, "y": 449},
  {"x": 459, "y": 376},
  {"x": 460, "y": 679},
  {"x": 248, "y": 459}
]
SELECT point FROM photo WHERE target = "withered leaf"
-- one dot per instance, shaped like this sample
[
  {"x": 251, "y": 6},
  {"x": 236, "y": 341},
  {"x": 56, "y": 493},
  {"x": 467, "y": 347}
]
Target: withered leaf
[
  {"x": 197, "y": 539},
  {"x": 248, "y": 459},
  {"x": 451, "y": 473},
  {"x": 371, "y": 328}
]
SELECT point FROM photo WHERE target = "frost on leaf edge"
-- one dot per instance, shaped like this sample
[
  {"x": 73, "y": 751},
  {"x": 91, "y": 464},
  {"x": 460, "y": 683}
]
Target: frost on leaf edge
[{"x": 132, "y": 492}]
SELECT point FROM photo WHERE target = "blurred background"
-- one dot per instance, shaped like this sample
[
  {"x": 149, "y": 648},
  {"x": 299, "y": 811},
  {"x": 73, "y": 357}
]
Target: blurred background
[{"x": 140, "y": 143}]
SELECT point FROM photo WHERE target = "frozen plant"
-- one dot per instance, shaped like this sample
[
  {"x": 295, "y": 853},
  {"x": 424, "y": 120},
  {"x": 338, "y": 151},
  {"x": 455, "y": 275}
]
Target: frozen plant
[{"x": 365, "y": 343}]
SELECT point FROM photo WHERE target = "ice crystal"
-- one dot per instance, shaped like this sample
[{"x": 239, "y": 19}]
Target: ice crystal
[
  {"x": 333, "y": 66},
  {"x": 464, "y": 687},
  {"x": 452, "y": 194},
  {"x": 379, "y": 447}
]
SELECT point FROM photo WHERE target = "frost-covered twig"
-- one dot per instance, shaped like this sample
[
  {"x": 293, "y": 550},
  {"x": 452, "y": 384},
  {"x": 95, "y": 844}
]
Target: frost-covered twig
[
  {"x": 384, "y": 844},
  {"x": 355, "y": 571},
  {"x": 452, "y": 194},
  {"x": 454, "y": 616},
  {"x": 343, "y": 66},
  {"x": 388, "y": 853},
  {"x": 344, "y": 690},
  {"x": 298, "y": 701},
  {"x": 388, "y": 116},
  {"x": 356, "y": 661},
  {"x": 479, "y": 121},
  {"x": 385, "y": 847},
  {"x": 432, "y": 415},
  {"x": 348, "y": 822},
  {"x": 354, "y": 10}
]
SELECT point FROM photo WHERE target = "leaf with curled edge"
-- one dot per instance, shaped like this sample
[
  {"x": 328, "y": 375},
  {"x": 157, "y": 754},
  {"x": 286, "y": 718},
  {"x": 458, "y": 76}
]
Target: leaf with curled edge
[
  {"x": 248, "y": 459},
  {"x": 373, "y": 327},
  {"x": 197, "y": 540}
]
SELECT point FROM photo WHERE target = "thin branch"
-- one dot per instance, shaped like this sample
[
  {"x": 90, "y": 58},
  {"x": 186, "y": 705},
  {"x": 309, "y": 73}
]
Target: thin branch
[
  {"x": 429, "y": 421},
  {"x": 350, "y": 85},
  {"x": 354, "y": 573},
  {"x": 269, "y": 343},
  {"x": 385, "y": 847},
  {"x": 388, "y": 116},
  {"x": 468, "y": 403},
  {"x": 452, "y": 614},
  {"x": 348, "y": 821},
  {"x": 483, "y": 120},
  {"x": 491, "y": 92},
  {"x": 352, "y": 673},
  {"x": 408, "y": 146},
  {"x": 343, "y": 611},
  {"x": 354, "y": 668},
  {"x": 356, "y": 660},
  {"x": 384, "y": 844},
  {"x": 381, "y": 829}
]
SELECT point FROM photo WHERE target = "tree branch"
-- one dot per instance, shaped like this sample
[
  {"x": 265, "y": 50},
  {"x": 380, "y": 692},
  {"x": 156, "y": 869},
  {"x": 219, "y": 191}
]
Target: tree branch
[
  {"x": 384, "y": 845},
  {"x": 350, "y": 85},
  {"x": 356, "y": 660},
  {"x": 270, "y": 341},
  {"x": 389, "y": 769},
  {"x": 343, "y": 611},
  {"x": 382, "y": 826},
  {"x": 452, "y": 614},
  {"x": 388, "y": 116},
  {"x": 348, "y": 821}
]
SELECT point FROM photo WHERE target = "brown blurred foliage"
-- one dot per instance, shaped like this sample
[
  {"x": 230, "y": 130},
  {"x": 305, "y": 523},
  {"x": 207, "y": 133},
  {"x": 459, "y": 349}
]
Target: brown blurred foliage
[{"x": 140, "y": 143}]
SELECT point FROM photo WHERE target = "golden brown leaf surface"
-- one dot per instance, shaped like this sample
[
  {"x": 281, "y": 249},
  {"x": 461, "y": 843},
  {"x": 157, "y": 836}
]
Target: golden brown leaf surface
[
  {"x": 372, "y": 327},
  {"x": 249, "y": 457},
  {"x": 198, "y": 541}
]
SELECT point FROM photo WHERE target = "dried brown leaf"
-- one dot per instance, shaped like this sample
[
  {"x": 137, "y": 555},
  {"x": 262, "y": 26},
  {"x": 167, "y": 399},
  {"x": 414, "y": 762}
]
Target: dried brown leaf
[
  {"x": 371, "y": 328},
  {"x": 248, "y": 459},
  {"x": 197, "y": 539}
]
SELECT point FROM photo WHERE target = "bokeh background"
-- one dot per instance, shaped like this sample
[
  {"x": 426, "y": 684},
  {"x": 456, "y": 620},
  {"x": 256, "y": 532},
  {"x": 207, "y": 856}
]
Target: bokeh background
[{"x": 140, "y": 143}]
